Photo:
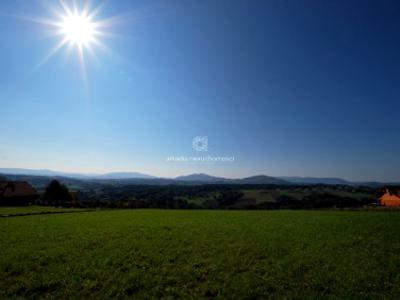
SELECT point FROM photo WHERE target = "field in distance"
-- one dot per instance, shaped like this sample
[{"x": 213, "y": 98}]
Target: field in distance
[
  {"x": 201, "y": 254},
  {"x": 34, "y": 209}
]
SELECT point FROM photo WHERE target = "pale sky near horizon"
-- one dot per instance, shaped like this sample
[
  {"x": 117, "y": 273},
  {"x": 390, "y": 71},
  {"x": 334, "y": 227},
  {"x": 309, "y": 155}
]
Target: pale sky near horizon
[{"x": 289, "y": 88}]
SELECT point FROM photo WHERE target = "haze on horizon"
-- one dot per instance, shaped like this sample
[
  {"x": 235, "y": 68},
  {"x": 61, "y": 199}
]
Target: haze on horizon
[{"x": 289, "y": 88}]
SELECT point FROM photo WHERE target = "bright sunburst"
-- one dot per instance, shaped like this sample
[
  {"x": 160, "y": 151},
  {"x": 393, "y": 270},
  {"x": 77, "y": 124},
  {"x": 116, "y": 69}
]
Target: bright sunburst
[
  {"x": 78, "y": 29},
  {"x": 78, "y": 26}
]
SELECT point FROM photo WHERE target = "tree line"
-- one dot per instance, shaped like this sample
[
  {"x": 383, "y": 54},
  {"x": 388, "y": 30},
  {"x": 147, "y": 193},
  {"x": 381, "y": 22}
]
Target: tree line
[{"x": 200, "y": 197}]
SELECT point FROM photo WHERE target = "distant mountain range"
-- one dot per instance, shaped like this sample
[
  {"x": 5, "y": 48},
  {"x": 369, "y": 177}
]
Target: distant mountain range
[
  {"x": 124, "y": 175},
  {"x": 205, "y": 178},
  {"x": 316, "y": 180},
  {"x": 45, "y": 172},
  {"x": 200, "y": 178}
]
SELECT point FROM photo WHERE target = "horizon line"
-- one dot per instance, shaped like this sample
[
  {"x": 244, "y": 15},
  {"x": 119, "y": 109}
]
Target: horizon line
[{"x": 183, "y": 175}]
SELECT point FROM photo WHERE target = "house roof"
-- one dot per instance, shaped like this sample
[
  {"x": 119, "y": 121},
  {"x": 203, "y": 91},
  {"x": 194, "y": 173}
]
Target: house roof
[
  {"x": 392, "y": 190},
  {"x": 390, "y": 196},
  {"x": 16, "y": 189}
]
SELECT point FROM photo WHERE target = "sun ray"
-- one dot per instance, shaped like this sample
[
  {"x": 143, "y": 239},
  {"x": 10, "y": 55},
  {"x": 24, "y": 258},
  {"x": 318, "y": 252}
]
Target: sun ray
[
  {"x": 51, "y": 53},
  {"x": 66, "y": 9},
  {"x": 92, "y": 14}
]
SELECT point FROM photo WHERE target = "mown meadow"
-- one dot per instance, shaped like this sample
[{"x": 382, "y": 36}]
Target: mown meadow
[{"x": 201, "y": 254}]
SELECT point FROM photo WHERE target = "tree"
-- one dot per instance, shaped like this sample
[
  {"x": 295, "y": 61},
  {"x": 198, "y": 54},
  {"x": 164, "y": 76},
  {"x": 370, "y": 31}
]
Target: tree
[{"x": 58, "y": 194}]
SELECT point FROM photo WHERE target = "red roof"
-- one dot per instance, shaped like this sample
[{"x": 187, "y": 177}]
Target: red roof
[
  {"x": 16, "y": 189},
  {"x": 390, "y": 196}
]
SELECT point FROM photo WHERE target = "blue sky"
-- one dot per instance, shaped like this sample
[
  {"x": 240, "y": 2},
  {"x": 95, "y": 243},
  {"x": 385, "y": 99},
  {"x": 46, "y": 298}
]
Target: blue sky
[{"x": 307, "y": 88}]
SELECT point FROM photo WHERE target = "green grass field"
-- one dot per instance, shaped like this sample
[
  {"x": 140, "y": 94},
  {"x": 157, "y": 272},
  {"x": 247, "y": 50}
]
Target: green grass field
[{"x": 201, "y": 254}]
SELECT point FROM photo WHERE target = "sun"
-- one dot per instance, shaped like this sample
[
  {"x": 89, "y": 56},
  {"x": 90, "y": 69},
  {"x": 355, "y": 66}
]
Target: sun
[{"x": 78, "y": 29}]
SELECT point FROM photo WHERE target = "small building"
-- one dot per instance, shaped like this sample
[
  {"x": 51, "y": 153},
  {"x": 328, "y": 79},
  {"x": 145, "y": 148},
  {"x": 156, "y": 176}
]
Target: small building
[
  {"x": 16, "y": 193},
  {"x": 390, "y": 196}
]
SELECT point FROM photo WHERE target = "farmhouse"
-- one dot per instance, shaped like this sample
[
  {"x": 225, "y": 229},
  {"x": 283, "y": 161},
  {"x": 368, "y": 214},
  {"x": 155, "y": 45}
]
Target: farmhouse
[
  {"x": 16, "y": 193},
  {"x": 390, "y": 196}
]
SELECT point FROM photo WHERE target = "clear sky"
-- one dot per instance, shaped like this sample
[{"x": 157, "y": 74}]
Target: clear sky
[{"x": 305, "y": 88}]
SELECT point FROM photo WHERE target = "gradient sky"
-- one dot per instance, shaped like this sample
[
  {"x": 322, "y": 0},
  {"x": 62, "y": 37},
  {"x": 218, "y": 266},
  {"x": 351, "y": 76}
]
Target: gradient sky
[{"x": 306, "y": 88}]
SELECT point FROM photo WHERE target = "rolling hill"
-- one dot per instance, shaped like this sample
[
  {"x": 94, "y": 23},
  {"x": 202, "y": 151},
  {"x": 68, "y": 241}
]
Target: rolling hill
[{"x": 127, "y": 178}]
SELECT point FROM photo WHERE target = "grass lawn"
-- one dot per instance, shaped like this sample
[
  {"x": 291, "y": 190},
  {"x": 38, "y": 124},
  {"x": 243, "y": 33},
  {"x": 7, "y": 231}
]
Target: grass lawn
[{"x": 201, "y": 254}]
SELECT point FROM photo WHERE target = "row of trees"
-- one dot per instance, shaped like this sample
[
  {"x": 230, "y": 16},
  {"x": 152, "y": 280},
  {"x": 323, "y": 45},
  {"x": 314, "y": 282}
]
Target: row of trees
[{"x": 174, "y": 197}]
